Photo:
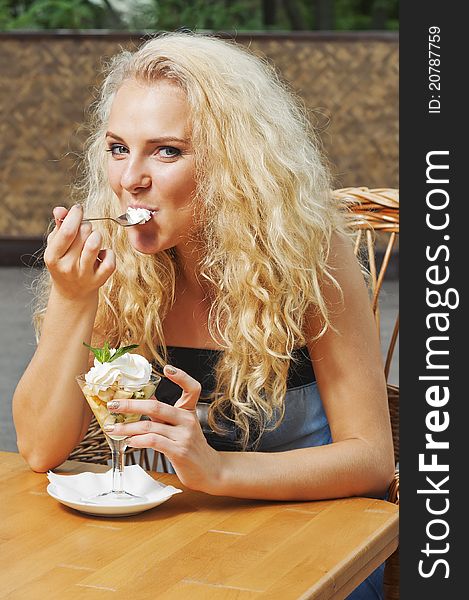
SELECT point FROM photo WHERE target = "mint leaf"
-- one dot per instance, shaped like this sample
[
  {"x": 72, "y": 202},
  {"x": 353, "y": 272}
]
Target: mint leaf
[
  {"x": 98, "y": 352},
  {"x": 120, "y": 351},
  {"x": 103, "y": 355},
  {"x": 106, "y": 352}
]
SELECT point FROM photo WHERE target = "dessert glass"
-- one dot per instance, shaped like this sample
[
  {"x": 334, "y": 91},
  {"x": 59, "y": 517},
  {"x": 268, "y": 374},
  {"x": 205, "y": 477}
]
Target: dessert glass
[{"x": 98, "y": 397}]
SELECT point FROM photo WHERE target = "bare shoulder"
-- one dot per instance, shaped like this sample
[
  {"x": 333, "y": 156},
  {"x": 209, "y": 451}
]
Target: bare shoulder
[
  {"x": 347, "y": 357},
  {"x": 343, "y": 263},
  {"x": 343, "y": 287},
  {"x": 348, "y": 354}
]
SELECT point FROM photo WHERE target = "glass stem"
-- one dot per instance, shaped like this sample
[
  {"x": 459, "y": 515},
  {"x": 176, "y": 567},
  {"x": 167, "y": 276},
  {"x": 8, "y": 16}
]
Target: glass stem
[{"x": 117, "y": 452}]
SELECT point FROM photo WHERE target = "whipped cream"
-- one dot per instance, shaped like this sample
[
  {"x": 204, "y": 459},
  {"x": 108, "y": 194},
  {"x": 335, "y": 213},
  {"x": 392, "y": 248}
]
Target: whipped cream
[
  {"x": 136, "y": 216},
  {"x": 130, "y": 371}
]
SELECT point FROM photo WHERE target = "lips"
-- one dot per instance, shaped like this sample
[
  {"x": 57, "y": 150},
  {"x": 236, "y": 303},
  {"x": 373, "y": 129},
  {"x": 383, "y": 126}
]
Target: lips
[{"x": 152, "y": 209}]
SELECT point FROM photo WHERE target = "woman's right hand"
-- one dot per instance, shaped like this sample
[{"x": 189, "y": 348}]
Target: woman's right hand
[{"x": 73, "y": 256}]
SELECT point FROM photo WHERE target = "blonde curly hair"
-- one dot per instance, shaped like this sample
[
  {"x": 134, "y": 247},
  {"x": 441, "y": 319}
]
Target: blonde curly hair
[{"x": 267, "y": 218}]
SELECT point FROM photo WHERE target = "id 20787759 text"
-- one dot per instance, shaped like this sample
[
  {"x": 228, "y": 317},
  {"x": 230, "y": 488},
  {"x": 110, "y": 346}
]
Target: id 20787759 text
[{"x": 434, "y": 74}]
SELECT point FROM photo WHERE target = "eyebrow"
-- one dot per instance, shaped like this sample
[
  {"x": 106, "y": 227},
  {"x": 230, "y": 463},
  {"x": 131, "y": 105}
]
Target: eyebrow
[{"x": 160, "y": 140}]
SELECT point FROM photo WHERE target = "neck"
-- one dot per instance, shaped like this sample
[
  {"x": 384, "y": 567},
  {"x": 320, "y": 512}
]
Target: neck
[{"x": 189, "y": 257}]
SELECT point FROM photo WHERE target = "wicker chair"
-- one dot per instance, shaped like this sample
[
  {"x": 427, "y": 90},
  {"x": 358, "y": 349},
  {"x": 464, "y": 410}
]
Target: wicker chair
[
  {"x": 95, "y": 449},
  {"x": 378, "y": 220}
]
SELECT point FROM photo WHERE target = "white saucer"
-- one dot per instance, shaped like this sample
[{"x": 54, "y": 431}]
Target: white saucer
[{"x": 107, "y": 510}]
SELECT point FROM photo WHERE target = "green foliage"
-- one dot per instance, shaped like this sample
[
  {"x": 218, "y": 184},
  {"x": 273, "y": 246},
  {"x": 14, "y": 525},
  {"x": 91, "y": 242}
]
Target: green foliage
[
  {"x": 218, "y": 15},
  {"x": 197, "y": 14},
  {"x": 104, "y": 354},
  {"x": 54, "y": 14},
  {"x": 366, "y": 14}
]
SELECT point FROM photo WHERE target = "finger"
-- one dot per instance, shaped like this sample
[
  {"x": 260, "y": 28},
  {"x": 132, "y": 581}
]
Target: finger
[
  {"x": 106, "y": 264},
  {"x": 191, "y": 388},
  {"x": 59, "y": 212},
  {"x": 153, "y": 408},
  {"x": 142, "y": 428},
  {"x": 66, "y": 234},
  {"x": 71, "y": 259},
  {"x": 94, "y": 260},
  {"x": 84, "y": 231},
  {"x": 152, "y": 440},
  {"x": 90, "y": 251}
]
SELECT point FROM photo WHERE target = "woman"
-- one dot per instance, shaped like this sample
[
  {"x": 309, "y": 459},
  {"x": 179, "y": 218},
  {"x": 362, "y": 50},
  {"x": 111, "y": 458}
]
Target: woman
[{"x": 243, "y": 279}]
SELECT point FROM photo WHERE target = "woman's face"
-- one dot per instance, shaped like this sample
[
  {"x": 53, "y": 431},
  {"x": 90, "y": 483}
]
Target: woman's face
[{"x": 151, "y": 162}]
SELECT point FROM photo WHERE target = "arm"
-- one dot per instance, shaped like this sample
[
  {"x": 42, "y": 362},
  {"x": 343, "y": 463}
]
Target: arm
[
  {"x": 350, "y": 377},
  {"x": 349, "y": 372},
  {"x": 49, "y": 410}
]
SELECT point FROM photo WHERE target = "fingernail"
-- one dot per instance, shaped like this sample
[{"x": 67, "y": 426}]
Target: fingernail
[
  {"x": 113, "y": 404},
  {"x": 108, "y": 428},
  {"x": 171, "y": 370}
]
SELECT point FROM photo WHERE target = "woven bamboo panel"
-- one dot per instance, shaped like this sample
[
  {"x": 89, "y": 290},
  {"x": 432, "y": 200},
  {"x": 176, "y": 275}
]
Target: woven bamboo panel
[{"x": 349, "y": 87}]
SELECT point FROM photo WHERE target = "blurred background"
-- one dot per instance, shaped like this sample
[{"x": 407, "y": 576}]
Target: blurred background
[
  {"x": 339, "y": 56},
  {"x": 260, "y": 15}
]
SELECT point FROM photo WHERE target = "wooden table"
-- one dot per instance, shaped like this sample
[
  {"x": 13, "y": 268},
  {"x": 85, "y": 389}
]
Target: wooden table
[{"x": 194, "y": 546}]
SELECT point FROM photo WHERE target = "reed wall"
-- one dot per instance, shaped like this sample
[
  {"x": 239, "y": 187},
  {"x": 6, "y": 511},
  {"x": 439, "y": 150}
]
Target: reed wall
[{"x": 349, "y": 83}]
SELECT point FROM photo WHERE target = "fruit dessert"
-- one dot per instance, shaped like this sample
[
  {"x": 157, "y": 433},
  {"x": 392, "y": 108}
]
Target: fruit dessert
[{"x": 115, "y": 375}]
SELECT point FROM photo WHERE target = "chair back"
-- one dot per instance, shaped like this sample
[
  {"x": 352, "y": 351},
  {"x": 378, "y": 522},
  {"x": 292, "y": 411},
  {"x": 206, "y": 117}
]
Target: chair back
[{"x": 94, "y": 449}]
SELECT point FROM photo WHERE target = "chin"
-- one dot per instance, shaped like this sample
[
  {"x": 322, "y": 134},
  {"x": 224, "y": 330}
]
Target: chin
[
  {"x": 145, "y": 242},
  {"x": 147, "y": 247}
]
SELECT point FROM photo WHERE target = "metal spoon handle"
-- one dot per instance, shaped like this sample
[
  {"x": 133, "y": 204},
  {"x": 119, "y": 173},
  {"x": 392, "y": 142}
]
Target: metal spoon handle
[
  {"x": 123, "y": 223},
  {"x": 101, "y": 219}
]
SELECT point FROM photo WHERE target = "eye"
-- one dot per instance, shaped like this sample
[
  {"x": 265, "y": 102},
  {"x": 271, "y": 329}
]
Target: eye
[
  {"x": 117, "y": 149},
  {"x": 169, "y": 152}
]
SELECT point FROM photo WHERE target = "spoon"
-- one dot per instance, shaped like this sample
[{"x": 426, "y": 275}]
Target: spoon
[{"x": 122, "y": 220}]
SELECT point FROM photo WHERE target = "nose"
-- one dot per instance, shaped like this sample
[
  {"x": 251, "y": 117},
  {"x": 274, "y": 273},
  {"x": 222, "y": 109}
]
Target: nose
[{"x": 135, "y": 177}]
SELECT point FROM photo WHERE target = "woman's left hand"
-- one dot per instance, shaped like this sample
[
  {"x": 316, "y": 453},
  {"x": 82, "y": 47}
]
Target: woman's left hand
[{"x": 175, "y": 431}]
